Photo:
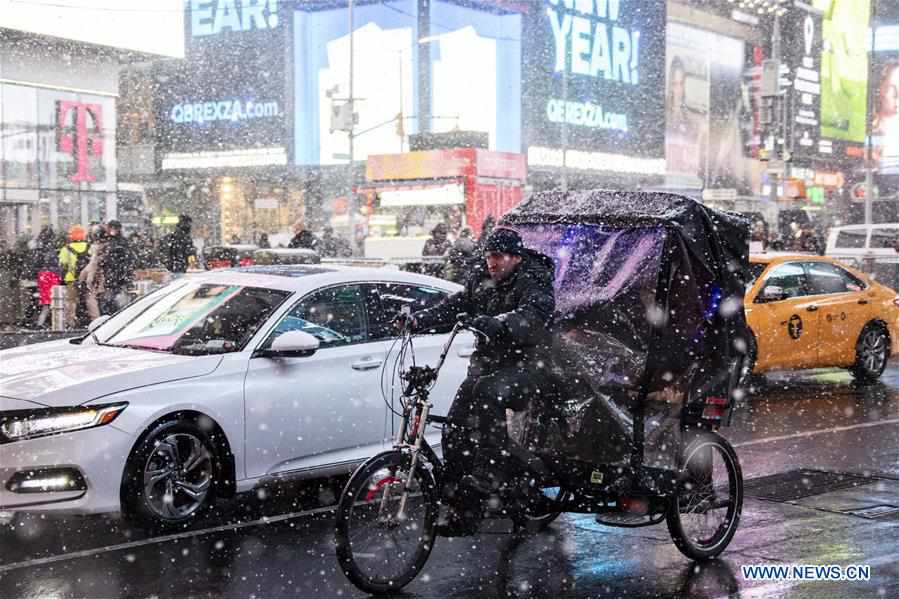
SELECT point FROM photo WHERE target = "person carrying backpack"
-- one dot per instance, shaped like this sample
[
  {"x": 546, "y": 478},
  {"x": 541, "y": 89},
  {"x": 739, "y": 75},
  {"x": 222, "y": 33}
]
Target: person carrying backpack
[
  {"x": 46, "y": 264},
  {"x": 73, "y": 258}
]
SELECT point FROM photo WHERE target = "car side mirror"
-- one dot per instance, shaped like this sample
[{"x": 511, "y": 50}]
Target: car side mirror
[
  {"x": 773, "y": 293},
  {"x": 292, "y": 344},
  {"x": 97, "y": 323}
]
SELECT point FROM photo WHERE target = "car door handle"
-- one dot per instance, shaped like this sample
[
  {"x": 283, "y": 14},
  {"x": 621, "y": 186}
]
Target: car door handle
[
  {"x": 366, "y": 364},
  {"x": 862, "y": 301},
  {"x": 466, "y": 351},
  {"x": 812, "y": 309}
]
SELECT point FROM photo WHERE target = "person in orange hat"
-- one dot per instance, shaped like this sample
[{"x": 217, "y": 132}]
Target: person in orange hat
[{"x": 73, "y": 258}]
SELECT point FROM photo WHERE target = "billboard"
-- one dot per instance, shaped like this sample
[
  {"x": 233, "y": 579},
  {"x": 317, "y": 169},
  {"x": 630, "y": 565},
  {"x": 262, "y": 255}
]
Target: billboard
[
  {"x": 706, "y": 106},
  {"x": 593, "y": 75},
  {"x": 885, "y": 117},
  {"x": 844, "y": 69},
  {"x": 476, "y": 73},
  {"x": 385, "y": 63},
  {"x": 803, "y": 59},
  {"x": 226, "y": 103},
  {"x": 475, "y": 76}
]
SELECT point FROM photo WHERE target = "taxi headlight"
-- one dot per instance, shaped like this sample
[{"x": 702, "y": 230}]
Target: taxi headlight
[{"x": 29, "y": 424}]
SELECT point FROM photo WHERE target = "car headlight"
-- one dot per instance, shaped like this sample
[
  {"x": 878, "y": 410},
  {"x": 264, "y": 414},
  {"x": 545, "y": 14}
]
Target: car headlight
[{"x": 28, "y": 424}]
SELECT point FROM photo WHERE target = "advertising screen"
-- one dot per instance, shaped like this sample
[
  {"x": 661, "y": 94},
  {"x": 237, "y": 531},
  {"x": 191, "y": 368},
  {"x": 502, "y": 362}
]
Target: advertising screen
[
  {"x": 885, "y": 118},
  {"x": 385, "y": 50},
  {"x": 803, "y": 59},
  {"x": 844, "y": 68},
  {"x": 594, "y": 75},
  {"x": 476, "y": 73},
  {"x": 226, "y": 101},
  {"x": 475, "y": 77},
  {"x": 704, "y": 109}
]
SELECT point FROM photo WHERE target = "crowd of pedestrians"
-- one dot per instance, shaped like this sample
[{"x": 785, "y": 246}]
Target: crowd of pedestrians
[{"x": 96, "y": 265}]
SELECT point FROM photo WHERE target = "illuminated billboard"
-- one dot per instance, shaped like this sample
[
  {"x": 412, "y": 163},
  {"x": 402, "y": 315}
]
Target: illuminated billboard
[
  {"x": 594, "y": 74},
  {"x": 704, "y": 112},
  {"x": 475, "y": 76},
  {"x": 844, "y": 69}
]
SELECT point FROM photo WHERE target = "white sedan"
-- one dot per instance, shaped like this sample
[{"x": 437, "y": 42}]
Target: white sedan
[{"x": 210, "y": 386}]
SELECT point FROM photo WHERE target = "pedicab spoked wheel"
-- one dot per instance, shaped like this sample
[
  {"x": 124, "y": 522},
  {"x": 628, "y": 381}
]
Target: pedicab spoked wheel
[
  {"x": 379, "y": 548},
  {"x": 705, "y": 511}
]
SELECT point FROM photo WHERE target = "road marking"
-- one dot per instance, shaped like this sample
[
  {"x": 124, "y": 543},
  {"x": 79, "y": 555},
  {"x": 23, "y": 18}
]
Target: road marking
[
  {"x": 824, "y": 431},
  {"x": 163, "y": 539}
]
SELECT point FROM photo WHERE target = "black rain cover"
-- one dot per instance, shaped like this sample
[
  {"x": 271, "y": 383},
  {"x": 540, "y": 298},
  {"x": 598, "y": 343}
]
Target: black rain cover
[{"x": 649, "y": 290}]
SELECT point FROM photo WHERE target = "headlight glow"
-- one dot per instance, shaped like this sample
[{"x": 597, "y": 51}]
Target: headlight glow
[{"x": 21, "y": 425}]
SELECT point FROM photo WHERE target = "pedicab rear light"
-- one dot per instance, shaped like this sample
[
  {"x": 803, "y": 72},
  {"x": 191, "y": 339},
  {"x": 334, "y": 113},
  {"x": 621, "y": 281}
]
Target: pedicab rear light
[{"x": 715, "y": 407}]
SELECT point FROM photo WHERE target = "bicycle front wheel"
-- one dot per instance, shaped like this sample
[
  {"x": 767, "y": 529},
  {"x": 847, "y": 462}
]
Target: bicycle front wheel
[{"x": 385, "y": 527}]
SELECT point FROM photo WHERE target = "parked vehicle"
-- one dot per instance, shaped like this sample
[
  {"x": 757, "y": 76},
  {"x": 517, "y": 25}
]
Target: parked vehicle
[
  {"x": 209, "y": 386},
  {"x": 811, "y": 311},
  {"x": 870, "y": 248}
]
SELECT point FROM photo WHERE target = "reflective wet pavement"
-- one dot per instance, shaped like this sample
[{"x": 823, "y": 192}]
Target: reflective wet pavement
[{"x": 281, "y": 545}]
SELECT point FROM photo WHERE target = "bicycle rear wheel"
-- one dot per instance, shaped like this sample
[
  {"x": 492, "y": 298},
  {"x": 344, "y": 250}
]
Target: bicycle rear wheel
[
  {"x": 705, "y": 511},
  {"x": 384, "y": 532}
]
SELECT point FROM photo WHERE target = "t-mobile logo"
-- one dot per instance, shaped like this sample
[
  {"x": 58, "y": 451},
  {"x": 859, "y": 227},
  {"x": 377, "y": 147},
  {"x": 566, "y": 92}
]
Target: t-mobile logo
[{"x": 76, "y": 138}]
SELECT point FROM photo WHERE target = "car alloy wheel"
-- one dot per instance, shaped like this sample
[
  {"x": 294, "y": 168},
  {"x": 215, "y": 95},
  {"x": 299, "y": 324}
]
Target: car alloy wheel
[
  {"x": 177, "y": 476},
  {"x": 873, "y": 352}
]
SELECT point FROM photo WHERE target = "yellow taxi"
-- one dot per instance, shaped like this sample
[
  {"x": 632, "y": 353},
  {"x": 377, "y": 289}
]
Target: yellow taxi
[{"x": 811, "y": 312}]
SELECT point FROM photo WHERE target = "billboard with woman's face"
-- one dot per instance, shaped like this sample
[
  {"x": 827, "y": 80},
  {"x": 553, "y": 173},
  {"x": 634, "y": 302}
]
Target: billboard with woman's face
[
  {"x": 885, "y": 120},
  {"x": 705, "y": 108}
]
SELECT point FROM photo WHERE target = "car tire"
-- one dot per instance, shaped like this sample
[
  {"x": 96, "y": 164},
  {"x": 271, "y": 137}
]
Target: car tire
[
  {"x": 750, "y": 380},
  {"x": 171, "y": 476},
  {"x": 872, "y": 350}
]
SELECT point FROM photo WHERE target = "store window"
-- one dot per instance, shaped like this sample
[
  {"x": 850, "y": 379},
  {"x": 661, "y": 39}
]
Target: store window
[{"x": 19, "y": 133}]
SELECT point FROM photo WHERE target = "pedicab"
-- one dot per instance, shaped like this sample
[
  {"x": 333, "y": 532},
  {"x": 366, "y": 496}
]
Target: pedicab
[{"x": 648, "y": 345}]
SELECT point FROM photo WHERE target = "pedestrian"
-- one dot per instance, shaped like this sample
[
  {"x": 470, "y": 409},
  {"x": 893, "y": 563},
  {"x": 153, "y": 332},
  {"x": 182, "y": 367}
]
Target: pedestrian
[
  {"x": 117, "y": 265},
  {"x": 303, "y": 238},
  {"x": 437, "y": 245},
  {"x": 486, "y": 229},
  {"x": 144, "y": 250},
  {"x": 334, "y": 246},
  {"x": 46, "y": 263},
  {"x": 177, "y": 247},
  {"x": 74, "y": 258},
  {"x": 461, "y": 257},
  {"x": 91, "y": 278},
  {"x": 263, "y": 242}
]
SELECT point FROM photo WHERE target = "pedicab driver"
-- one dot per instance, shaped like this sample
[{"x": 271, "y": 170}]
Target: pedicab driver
[{"x": 510, "y": 299}]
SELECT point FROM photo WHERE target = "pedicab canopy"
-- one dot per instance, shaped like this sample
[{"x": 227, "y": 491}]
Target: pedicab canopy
[{"x": 649, "y": 315}]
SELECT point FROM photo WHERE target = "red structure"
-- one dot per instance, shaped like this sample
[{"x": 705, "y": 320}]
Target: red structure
[{"x": 481, "y": 182}]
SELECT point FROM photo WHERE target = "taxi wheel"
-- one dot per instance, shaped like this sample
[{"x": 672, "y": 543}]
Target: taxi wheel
[
  {"x": 748, "y": 379},
  {"x": 872, "y": 351}
]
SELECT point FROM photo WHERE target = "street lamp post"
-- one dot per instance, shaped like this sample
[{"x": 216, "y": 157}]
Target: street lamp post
[
  {"x": 350, "y": 197},
  {"x": 869, "y": 121}
]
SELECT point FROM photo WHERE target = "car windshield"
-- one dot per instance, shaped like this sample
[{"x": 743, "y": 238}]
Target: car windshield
[{"x": 201, "y": 318}]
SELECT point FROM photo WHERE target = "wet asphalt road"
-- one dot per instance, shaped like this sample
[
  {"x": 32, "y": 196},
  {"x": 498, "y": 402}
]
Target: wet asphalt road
[{"x": 280, "y": 545}]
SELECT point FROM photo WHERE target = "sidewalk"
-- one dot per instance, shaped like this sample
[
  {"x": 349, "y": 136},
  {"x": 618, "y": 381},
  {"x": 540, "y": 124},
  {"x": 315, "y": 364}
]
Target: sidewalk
[{"x": 16, "y": 337}]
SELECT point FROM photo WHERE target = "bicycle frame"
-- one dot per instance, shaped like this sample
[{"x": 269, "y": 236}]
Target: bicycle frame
[{"x": 416, "y": 415}]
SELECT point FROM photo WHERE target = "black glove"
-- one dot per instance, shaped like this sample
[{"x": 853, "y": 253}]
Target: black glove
[
  {"x": 489, "y": 326},
  {"x": 403, "y": 320}
]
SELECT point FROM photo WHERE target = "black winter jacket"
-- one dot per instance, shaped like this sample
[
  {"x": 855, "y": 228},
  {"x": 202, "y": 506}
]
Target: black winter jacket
[{"x": 524, "y": 302}]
